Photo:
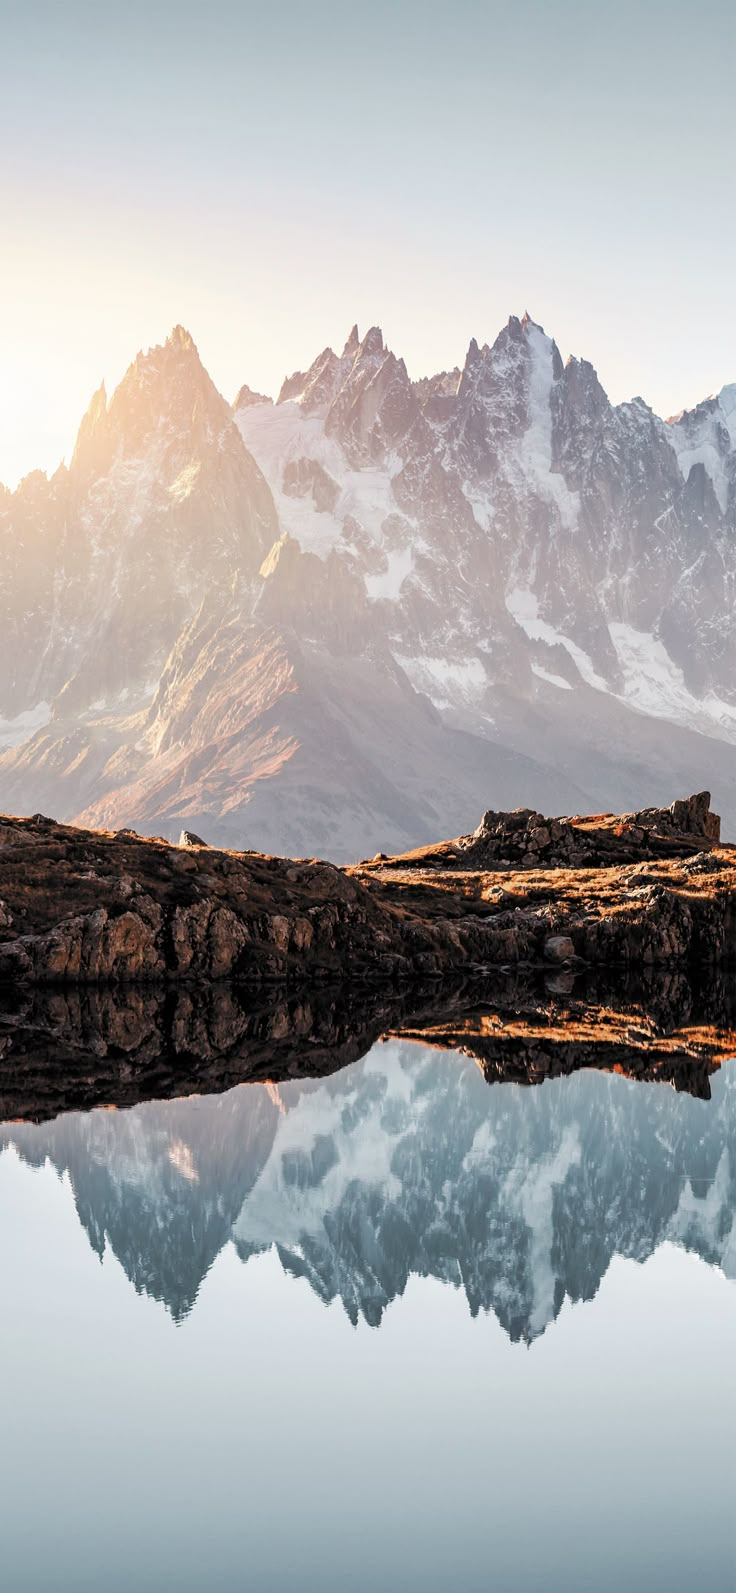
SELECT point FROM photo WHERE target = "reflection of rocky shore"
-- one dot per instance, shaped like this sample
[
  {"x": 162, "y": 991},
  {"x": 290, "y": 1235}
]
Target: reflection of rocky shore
[
  {"x": 403, "y": 1164},
  {"x": 80, "y": 1048}
]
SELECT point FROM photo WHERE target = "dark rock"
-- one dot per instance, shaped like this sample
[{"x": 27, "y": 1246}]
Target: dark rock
[
  {"x": 558, "y": 948},
  {"x": 305, "y": 478},
  {"x": 80, "y": 906}
]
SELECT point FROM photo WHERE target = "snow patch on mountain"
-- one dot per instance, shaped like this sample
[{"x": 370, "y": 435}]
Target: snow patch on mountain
[
  {"x": 654, "y": 685},
  {"x": 553, "y": 680},
  {"x": 277, "y": 434},
  {"x": 447, "y": 681},
  {"x": 399, "y": 564},
  {"x": 524, "y": 607},
  {"x": 13, "y": 732},
  {"x": 536, "y": 443}
]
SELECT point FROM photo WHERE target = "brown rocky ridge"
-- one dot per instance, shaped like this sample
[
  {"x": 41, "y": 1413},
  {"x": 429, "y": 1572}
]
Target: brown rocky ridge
[{"x": 84, "y": 906}]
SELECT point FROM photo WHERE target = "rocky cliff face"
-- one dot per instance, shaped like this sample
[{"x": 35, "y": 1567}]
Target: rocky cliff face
[
  {"x": 284, "y": 622},
  {"x": 160, "y": 502},
  {"x": 90, "y": 907}
]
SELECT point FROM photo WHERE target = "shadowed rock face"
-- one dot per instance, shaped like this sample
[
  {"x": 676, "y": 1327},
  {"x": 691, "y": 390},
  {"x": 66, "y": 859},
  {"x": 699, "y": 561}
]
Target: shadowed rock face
[
  {"x": 364, "y": 1164},
  {"x": 85, "y": 1047},
  {"x": 81, "y": 906}
]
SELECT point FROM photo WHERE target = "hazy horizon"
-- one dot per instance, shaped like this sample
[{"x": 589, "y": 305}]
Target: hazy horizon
[{"x": 268, "y": 178}]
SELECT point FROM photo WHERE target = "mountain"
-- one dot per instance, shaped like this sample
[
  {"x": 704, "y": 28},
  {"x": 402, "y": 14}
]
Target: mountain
[
  {"x": 405, "y": 1163},
  {"x": 355, "y": 618}
]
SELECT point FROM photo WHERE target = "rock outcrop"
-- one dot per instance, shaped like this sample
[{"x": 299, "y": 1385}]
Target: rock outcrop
[
  {"x": 87, "y": 907},
  {"x": 525, "y": 839}
]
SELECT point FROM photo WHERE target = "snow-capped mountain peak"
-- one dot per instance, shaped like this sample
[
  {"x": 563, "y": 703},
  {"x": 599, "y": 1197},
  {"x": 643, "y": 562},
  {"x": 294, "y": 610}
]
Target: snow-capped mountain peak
[{"x": 495, "y": 549}]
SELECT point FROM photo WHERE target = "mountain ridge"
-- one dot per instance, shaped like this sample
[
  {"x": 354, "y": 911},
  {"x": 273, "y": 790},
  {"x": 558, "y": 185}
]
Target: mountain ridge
[{"x": 509, "y": 547}]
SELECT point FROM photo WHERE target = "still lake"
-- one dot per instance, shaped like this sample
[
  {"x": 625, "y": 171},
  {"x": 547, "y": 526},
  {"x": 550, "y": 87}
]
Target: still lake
[{"x": 397, "y": 1328}]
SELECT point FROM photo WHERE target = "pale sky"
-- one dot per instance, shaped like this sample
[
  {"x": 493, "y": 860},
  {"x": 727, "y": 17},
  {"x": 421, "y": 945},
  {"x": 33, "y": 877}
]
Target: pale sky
[{"x": 267, "y": 173}]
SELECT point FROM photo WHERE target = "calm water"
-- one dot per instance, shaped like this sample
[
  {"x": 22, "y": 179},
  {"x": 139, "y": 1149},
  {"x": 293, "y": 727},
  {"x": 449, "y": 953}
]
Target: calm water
[{"x": 393, "y": 1329}]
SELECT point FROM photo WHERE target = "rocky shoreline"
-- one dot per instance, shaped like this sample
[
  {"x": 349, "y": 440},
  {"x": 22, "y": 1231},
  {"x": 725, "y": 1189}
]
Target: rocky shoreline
[{"x": 82, "y": 907}]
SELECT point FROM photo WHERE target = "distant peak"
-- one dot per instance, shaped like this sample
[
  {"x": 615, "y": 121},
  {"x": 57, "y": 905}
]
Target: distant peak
[
  {"x": 247, "y": 398},
  {"x": 98, "y": 402},
  {"x": 180, "y": 338},
  {"x": 529, "y": 324},
  {"x": 91, "y": 427},
  {"x": 373, "y": 341},
  {"x": 352, "y": 345}
]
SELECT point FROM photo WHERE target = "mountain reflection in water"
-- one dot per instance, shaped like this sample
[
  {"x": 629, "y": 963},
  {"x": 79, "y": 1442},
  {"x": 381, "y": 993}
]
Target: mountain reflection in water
[{"x": 404, "y": 1162}]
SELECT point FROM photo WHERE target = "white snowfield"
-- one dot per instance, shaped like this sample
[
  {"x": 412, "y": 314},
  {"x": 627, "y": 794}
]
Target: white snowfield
[
  {"x": 13, "y": 732},
  {"x": 524, "y": 607},
  {"x": 276, "y": 434},
  {"x": 654, "y": 685}
]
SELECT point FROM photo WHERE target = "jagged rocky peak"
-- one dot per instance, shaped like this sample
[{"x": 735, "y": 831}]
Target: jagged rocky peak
[
  {"x": 316, "y": 387},
  {"x": 91, "y": 442},
  {"x": 352, "y": 344},
  {"x": 372, "y": 345},
  {"x": 375, "y": 406},
  {"x": 437, "y": 395},
  {"x": 335, "y": 383},
  {"x": 165, "y": 399},
  {"x": 706, "y": 436},
  {"x": 581, "y": 419},
  {"x": 582, "y": 387},
  {"x": 161, "y": 498},
  {"x": 167, "y": 389},
  {"x": 504, "y": 391},
  {"x": 246, "y": 398}
]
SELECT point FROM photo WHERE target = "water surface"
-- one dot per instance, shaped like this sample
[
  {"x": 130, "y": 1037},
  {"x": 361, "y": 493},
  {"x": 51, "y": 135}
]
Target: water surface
[{"x": 393, "y": 1328}]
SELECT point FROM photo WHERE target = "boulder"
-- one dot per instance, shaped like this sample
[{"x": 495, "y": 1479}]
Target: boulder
[{"x": 558, "y": 948}]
